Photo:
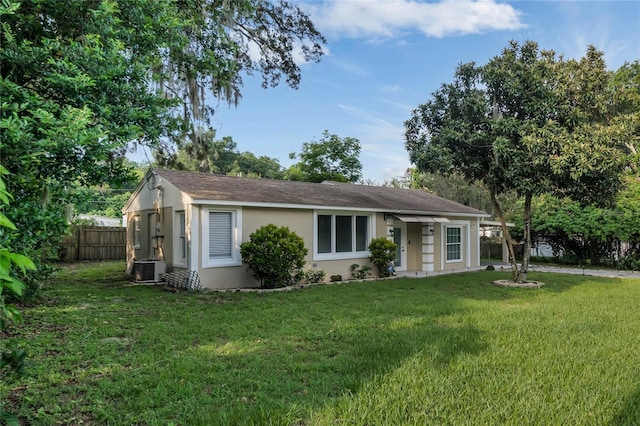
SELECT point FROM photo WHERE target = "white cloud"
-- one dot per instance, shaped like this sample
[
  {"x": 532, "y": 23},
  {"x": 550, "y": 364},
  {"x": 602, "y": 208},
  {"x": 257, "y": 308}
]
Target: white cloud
[
  {"x": 384, "y": 18},
  {"x": 391, "y": 88},
  {"x": 255, "y": 53},
  {"x": 405, "y": 108},
  {"x": 582, "y": 29},
  {"x": 350, "y": 67},
  {"x": 382, "y": 162},
  {"x": 374, "y": 122},
  {"x": 383, "y": 153}
]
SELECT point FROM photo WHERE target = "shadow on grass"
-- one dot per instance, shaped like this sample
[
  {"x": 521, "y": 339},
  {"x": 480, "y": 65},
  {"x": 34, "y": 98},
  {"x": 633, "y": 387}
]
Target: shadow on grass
[
  {"x": 479, "y": 285},
  {"x": 338, "y": 353},
  {"x": 260, "y": 358},
  {"x": 104, "y": 273},
  {"x": 630, "y": 413},
  {"x": 256, "y": 359}
]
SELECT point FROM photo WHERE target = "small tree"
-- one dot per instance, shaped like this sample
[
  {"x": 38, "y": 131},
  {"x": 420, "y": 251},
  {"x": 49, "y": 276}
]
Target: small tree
[
  {"x": 274, "y": 255},
  {"x": 382, "y": 253}
]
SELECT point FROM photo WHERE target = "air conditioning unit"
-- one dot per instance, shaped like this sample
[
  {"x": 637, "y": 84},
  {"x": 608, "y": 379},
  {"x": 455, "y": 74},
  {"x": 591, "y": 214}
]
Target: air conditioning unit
[{"x": 149, "y": 269}]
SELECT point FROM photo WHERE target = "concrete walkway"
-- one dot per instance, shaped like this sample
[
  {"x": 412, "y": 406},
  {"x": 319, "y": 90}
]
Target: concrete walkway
[{"x": 612, "y": 273}]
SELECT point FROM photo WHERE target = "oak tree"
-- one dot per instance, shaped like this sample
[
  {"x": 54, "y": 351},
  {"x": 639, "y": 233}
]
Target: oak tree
[{"x": 82, "y": 80}]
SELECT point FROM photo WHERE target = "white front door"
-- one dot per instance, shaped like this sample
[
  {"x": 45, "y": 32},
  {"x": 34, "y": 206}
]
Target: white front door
[{"x": 400, "y": 239}]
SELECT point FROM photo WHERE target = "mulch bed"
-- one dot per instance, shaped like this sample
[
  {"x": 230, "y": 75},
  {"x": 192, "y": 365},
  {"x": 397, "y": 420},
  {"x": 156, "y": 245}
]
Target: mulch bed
[{"x": 511, "y": 283}]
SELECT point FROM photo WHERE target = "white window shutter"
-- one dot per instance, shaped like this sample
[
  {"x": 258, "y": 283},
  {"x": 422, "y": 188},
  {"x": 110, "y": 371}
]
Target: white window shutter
[{"x": 220, "y": 235}]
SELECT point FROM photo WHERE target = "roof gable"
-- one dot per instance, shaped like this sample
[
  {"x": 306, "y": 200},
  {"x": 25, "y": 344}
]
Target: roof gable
[{"x": 206, "y": 187}]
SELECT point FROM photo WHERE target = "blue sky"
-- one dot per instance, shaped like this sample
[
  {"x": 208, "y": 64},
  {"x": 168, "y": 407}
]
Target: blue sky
[{"x": 385, "y": 57}]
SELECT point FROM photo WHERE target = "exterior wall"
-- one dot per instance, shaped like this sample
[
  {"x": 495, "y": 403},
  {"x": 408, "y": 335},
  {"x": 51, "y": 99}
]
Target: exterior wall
[
  {"x": 143, "y": 249},
  {"x": 428, "y": 247},
  {"x": 470, "y": 245},
  {"x": 437, "y": 247},
  {"x": 155, "y": 208},
  {"x": 384, "y": 228},
  {"x": 166, "y": 231},
  {"x": 149, "y": 247},
  {"x": 474, "y": 230},
  {"x": 227, "y": 277},
  {"x": 341, "y": 267},
  {"x": 455, "y": 265},
  {"x": 425, "y": 244},
  {"x": 414, "y": 246},
  {"x": 299, "y": 221}
]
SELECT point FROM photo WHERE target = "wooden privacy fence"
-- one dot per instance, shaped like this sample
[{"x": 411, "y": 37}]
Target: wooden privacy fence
[
  {"x": 94, "y": 243},
  {"x": 491, "y": 250}
]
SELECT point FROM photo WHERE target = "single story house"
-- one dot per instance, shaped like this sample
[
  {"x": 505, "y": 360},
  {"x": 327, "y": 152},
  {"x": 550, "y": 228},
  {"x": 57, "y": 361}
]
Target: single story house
[{"x": 197, "y": 221}]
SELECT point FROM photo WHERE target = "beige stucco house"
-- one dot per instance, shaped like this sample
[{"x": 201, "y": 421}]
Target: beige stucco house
[{"x": 197, "y": 221}]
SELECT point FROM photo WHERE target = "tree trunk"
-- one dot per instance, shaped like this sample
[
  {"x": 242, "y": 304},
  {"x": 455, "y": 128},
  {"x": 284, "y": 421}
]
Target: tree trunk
[
  {"x": 507, "y": 237},
  {"x": 526, "y": 255}
]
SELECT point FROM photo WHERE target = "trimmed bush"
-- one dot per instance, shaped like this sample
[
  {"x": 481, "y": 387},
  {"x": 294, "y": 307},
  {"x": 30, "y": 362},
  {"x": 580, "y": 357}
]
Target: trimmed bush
[
  {"x": 383, "y": 252},
  {"x": 312, "y": 276},
  {"x": 360, "y": 272},
  {"x": 629, "y": 263},
  {"x": 274, "y": 255}
]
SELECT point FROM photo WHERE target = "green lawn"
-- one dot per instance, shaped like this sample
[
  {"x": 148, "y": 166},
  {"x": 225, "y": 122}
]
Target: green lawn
[{"x": 442, "y": 350}]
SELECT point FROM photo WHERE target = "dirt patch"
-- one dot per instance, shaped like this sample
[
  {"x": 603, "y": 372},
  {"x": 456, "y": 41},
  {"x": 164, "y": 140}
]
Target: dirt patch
[{"x": 511, "y": 283}]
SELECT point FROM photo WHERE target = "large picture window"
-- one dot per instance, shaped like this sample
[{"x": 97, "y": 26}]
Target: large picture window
[
  {"x": 342, "y": 235},
  {"x": 454, "y": 244}
]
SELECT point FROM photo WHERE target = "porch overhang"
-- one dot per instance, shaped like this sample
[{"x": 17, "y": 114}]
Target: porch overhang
[
  {"x": 490, "y": 223},
  {"x": 421, "y": 219}
]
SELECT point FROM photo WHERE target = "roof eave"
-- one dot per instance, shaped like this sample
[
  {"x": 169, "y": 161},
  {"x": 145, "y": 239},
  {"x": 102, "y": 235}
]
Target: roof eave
[{"x": 208, "y": 202}]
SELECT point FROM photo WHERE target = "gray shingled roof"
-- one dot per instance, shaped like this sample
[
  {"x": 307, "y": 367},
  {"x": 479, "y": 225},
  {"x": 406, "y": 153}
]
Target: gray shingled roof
[{"x": 210, "y": 187}]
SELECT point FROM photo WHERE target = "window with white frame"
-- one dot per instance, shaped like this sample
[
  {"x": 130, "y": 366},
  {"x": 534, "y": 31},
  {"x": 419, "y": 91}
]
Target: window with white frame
[
  {"x": 220, "y": 229},
  {"x": 136, "y": 232},
  {"x": 181, "y": 238},
  {"x": 342, "y": 235},
  {"x": 454, "y": 243}
]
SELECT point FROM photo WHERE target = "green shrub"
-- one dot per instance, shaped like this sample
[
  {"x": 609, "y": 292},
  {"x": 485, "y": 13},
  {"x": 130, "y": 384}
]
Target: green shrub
[
  {"x": 335, "y": 278},
  {"x": 383, "y": 252},
  {"x": 13, "y": 267},
  {"x": 274, "y": 255},
  {"x": 569, "y": 259},
  {"x": 312, "y": 276},
  {"x": 629, "y": 263},
  {"x": 359, "y": 272}
]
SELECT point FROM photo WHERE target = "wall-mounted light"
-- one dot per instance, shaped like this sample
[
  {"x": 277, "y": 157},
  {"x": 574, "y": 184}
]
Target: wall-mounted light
[{"x": 390, "y": 231}]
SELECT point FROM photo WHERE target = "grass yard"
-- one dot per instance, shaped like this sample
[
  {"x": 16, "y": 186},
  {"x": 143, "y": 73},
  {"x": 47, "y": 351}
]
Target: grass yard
[{"x": 444, "y": 350}]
